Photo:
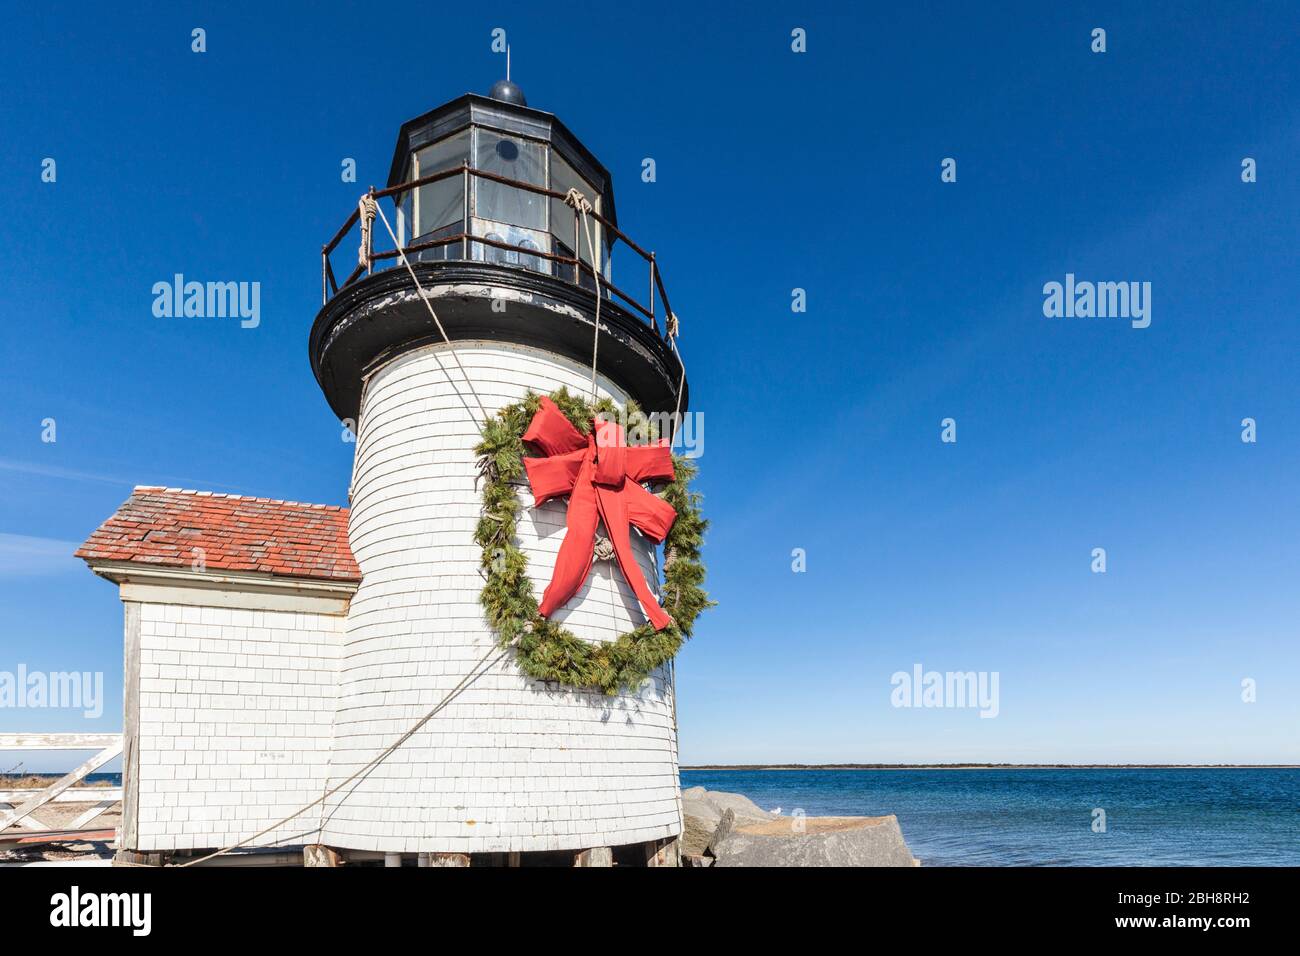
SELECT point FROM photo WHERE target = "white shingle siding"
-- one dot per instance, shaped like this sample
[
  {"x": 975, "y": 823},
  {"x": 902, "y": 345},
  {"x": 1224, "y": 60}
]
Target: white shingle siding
[
  {"x": 510, "y": 764},
  {"x": 236, "y": 721},
  {"x": 247, "y": 715}
]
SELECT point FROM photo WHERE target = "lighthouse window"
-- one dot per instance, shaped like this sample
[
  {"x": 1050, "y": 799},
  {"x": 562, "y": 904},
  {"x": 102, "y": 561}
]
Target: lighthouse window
[
  {"x": 564, "y": 178},
  {"x": 440, "y": 204},
  {"x": 405, "y": 207},
  {"x": 513, "y": 158}
]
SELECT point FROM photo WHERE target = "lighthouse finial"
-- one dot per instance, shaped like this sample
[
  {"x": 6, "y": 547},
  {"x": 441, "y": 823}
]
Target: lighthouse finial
[{"x": 508, "y": 91}]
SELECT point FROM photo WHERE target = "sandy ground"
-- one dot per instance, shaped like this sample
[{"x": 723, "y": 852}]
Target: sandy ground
[
  {"x": 786, "y": 825},
  {"x": 58, "y": 816}
]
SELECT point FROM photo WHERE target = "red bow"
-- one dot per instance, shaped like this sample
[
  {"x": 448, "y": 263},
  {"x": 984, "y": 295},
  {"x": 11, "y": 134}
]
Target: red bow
[{"x": 602, "y": 477}]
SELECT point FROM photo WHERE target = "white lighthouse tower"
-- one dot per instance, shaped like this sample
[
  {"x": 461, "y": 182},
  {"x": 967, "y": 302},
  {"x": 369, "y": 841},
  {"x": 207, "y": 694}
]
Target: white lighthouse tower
[{"x": 494, "y": 294}]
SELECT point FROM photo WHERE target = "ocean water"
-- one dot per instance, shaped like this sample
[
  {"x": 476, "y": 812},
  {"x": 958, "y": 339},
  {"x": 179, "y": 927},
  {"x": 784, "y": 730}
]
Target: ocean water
[
  {"x": 1154, "y": 817},
  {"x": 111, "y": 779}
]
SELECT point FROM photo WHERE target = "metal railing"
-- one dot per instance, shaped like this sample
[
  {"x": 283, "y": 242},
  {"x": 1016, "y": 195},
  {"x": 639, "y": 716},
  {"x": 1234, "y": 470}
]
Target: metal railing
[{"x": 368, "y": 258}]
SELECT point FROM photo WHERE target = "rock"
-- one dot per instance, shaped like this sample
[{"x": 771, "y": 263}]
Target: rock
[
  {"x": 824, "y": 841},
  {"x": 734, "y": 831},
  {"x": 725, "y": 826},
  {"x": 696, "y": 834},
  {"x": 743, "y": 807},
  {"x": 709, "y": 805}
]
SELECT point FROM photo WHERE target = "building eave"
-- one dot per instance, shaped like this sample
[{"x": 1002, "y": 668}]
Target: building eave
[{"x": 162, "y": 584}]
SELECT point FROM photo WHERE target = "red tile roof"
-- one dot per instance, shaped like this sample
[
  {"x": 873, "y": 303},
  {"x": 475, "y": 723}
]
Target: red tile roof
[{"x": 163, "y": 526}]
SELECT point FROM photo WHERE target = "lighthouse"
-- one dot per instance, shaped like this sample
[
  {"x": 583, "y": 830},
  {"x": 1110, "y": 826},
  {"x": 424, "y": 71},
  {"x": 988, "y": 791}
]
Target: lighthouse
[
  {"x": 472, "y": 663},
  {"x": 490, "y": 268}
]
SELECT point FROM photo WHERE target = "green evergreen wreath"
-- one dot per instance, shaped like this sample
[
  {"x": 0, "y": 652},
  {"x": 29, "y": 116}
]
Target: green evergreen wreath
[{"x": 545, "y": 650}]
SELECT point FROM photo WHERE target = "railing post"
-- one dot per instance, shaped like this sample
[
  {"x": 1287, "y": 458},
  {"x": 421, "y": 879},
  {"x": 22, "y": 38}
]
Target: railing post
[
  {"x": 324, "y": 275},
  {"x": 653, "y": 324},
  {"x": 577, "y": 250}
]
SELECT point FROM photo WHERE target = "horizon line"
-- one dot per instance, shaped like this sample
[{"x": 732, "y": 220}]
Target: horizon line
[{"x": 992, "y": 766}]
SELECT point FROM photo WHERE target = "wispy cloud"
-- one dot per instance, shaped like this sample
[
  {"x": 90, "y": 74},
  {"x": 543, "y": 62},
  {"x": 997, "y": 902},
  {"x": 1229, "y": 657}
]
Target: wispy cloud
[
  {"x": 73, "y": 474},
  {"x": 53, "y": 471},
  {"x": 23, "y": 555}
]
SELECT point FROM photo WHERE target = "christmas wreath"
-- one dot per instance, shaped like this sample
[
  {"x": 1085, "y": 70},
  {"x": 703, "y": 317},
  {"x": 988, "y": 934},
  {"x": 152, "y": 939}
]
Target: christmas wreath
[{"x": 566, "y": 446}]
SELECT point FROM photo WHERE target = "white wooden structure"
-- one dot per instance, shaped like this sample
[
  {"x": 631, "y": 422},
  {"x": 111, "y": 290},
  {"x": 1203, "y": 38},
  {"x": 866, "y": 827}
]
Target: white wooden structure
[
  {"x": 274, "y": 649},
  {"x": 512, "y": 765},
  {"x": 231, "y": 684},
  {"x": 19, "y": 807}
]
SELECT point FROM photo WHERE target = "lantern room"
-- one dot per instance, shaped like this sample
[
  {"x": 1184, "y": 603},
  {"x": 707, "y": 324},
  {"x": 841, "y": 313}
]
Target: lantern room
[
  {"x": 506, "y": 221},
  {"x": 486, "y": 171}
]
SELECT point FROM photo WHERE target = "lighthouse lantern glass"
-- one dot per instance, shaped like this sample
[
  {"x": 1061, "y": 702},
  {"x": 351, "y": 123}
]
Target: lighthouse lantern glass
[
  {"x": 501, "y": 213},
  {"x": 439, "y": 207},
  {"x": 508, "y": 214},
  {"x": 563, "y": 233},
  {"x": 514, "y": 158}
]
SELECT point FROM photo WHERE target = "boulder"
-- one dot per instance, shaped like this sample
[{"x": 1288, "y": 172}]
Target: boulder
[
  {"x": 731, "y": 830},
  {"x": 709, "y": 805},
  {"x": 813, "y": 841},
  {"x": 696, "y": 834}
]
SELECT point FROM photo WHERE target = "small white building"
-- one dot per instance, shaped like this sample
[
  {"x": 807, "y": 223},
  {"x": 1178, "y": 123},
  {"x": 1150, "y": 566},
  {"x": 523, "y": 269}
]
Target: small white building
[
  {"x": 273, "y": 649},
  {"x": 236, "y": 610}
]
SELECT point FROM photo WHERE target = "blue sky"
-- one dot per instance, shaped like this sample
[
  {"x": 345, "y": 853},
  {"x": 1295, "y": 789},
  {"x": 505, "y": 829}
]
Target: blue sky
[{"x": 775, "y": 170}]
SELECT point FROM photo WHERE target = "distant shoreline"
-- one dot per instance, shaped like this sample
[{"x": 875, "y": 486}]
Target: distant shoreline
[{"x": 995, "y": 766}]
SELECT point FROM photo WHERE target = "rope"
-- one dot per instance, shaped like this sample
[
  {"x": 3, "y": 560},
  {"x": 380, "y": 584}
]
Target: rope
[
  {"x": 474, "y": 674},
  {"x": 583, "y": 206},
  {"x": 366, "y": 209},
  {"x": 681, "y": 384},
  {"x": 438, "y": 322}
]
